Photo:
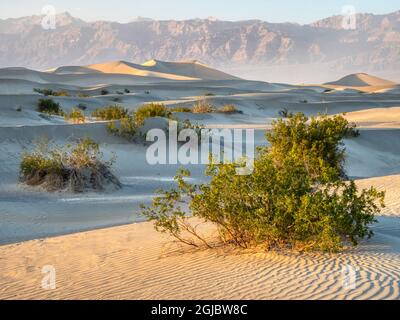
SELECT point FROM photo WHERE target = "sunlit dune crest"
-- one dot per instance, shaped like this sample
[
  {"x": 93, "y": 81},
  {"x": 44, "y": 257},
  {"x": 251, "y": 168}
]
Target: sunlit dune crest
[{"x": 179, "y": 71}]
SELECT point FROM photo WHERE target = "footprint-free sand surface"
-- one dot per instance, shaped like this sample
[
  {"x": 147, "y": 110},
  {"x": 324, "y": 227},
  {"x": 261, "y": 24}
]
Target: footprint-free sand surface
[{"x": 128, "y": 259}]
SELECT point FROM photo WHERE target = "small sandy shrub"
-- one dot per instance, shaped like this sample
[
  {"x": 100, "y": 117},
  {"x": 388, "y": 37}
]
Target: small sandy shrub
[
  {"x": 151, "y": 110},
  {"x": 75, "y": 116},
  {"x": 203, "y": 106},
  {"x": 228, "y": 108},
  {"x": 50, "y": 107},
  {"x": 113, "y": 112},
  {"x": 76, "y": 168}
]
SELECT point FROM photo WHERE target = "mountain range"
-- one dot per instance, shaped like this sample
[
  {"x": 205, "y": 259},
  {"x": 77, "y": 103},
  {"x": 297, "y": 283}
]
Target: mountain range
[{"x": 373, "y": 46}]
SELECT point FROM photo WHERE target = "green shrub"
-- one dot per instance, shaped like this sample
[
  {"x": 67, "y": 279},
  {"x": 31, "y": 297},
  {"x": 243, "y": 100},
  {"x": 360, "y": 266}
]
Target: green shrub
[
  {"x": 76, "y": 116},
  {"x": 151, "y": 110},
  {"x": 50, "y": 107},
  {"x": 113, "y": 112},
  {"x": 77, "y": 169},
  {"x": 126, "y": 128},
  {"x": 127, "y": 91},
  {"x": 228, "y": 108},
  {"x": 318, "y": 143},
  {"x": 129, "y": 124},
  {"x": 203, "y": 106},
  {"x": 83, "y": 95},
  {"x": 295, "y": 198},
  {"x": 104, "y": 92}
]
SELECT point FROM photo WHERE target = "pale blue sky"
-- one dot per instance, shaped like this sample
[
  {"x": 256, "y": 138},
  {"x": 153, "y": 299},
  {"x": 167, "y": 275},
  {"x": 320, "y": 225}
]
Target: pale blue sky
[{"x": 301, "y": 11}]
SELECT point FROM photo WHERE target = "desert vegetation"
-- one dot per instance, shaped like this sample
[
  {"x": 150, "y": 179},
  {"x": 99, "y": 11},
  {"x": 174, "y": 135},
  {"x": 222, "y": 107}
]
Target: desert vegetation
[
  {"x": 49, "y": 107},
  {"x": 113, "y": 112},
  {"x": 129, "y": 123},
  {"x": 151, "y": 110},
  {"x": 76, "y": 168},
  {"x": 203, "y": 106},
  {"x": 75, "y": 116},
  {"x": 298, "y": 197},
  {"x": 50, "y": 92},
  {"x": 228, "y": 108}
]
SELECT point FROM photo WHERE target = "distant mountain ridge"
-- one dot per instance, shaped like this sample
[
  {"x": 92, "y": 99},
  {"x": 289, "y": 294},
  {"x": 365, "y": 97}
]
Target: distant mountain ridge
[{"x": 373, "y": 46}]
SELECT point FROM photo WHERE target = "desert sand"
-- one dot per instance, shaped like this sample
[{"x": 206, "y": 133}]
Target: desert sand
[{"x": 129, "y": 259}]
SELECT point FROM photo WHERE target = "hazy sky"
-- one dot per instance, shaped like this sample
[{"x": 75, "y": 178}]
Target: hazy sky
[{"x": 301, "y": 11}]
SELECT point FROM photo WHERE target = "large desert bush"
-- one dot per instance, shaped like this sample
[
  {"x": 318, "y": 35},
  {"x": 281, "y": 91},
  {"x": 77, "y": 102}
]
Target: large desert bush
[
  {"x": 76, "y": 168},
  {"x": 297, "y": 197}
]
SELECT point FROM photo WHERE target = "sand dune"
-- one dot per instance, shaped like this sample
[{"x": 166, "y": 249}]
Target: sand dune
[
  {"x": 362, "y": 82},
  {"x": 376, "y": 118},
  {"x": 178, "y": 71}
]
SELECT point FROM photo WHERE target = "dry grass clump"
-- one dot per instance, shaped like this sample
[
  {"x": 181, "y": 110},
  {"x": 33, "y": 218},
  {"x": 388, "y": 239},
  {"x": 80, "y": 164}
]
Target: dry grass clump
[
  {"x": 75, "y": 169},
  {"x": 203, "y": 106},
  {"x": 228, "y": 108},
  {"x": 75, "y": 116},
  {"x": 113, "y": 112}
]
